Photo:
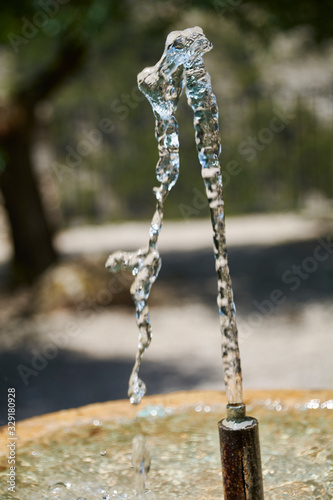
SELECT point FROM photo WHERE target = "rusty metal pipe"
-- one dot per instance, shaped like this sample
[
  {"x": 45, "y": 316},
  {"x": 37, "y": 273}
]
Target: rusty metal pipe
[{"x": 240, "y": 455}]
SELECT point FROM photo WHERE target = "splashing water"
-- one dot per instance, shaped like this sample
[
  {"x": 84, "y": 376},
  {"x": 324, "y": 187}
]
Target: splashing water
[
  {"x": 182, "y": 65},
  {"x": 297, "y": 460},
  {"x": 141, "y": 463}
]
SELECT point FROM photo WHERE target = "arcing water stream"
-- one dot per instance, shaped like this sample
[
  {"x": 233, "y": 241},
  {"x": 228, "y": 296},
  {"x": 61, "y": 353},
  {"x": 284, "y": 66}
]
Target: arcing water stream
[{"x": 181, "y": 65}]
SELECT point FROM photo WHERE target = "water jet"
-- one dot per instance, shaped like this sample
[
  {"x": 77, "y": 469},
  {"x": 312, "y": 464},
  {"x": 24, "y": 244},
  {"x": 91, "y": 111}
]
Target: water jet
[
  {"x": 100, "y": 451},
  {"x": 182, "y": 66}
]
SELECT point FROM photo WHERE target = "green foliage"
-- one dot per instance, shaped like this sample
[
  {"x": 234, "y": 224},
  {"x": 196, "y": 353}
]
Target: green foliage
[
  {"x": 285, "y": 15},
  {"x": 115, "y": 180},
  {"x": 277, "y": 178}
]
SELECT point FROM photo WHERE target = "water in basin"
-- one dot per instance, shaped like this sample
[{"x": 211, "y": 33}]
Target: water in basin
[{"x": 94, "y": 462}]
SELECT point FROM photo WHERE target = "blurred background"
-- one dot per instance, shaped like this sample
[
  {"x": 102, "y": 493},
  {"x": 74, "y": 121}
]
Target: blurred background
[{"x": 77, "y": 168}]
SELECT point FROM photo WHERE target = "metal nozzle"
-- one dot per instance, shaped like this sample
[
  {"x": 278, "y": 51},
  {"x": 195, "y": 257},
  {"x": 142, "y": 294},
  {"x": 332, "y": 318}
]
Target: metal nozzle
[
  {"x": 240, "y": 455},
  {"x": 236, "y": 412}
]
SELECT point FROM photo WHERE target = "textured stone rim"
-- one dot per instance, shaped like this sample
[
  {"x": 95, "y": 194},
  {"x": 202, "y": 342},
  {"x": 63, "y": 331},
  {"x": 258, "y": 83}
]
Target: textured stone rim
[{"x": 36, "y": 427}]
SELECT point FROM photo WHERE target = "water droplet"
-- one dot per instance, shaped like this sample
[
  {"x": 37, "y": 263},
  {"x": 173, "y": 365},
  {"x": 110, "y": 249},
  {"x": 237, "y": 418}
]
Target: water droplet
[
  {"x": 141, "y": 462},
  {"x": 137, "y": 389},
  {"x": 59, "y": 486},
  {"x": 313, "y": 404},
  {"x": 327, "y": 404},
  {"x": 153, "y": 411}
]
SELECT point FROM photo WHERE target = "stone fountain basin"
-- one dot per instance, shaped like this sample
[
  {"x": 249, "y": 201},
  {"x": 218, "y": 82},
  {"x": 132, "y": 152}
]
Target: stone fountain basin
[{"x": 85, "y": 453}]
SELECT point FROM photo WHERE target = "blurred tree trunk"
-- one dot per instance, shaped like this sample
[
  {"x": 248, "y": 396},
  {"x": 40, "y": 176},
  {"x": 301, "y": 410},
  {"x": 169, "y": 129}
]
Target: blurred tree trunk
[{"x": 30, "y": 229}]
